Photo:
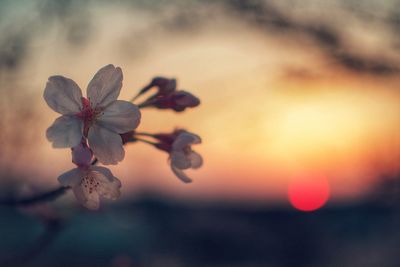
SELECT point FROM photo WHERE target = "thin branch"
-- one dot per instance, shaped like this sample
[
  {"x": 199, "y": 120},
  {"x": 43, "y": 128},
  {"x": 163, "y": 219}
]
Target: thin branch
[{"x": 46, "y": 196}]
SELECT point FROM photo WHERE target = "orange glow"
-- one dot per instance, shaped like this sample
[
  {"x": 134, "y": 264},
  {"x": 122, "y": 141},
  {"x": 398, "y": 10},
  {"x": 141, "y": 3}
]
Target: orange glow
[
  {"x": 282, "y": 110},
  {"x": 308, "y": 193}
]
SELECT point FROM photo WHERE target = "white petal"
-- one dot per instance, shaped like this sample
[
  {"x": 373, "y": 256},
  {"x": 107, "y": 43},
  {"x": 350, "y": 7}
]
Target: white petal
[
  {"x": 110, "y": 190},
  {"x": 180, "y": 160},
  {"x": 196, "y": 160},
  {"x": 105, "y": 171},
  {"x": 89, "y": 200},
  {"x": 71, "y": 178},
  {"x": 197, "y": 139},
  {"x": 120, "y": 117},
  {"x": 63, "y": 95},
  {"x": 180, "y": 174},
  {"x": 109, "y": 185},
  {"x": 106, "y": 145},
  {"x": 105, "y": 86},
  {"x": 184, "y": 139},
  {"x": 79, "y": 195},
  {"x": 66, "y": 131}
]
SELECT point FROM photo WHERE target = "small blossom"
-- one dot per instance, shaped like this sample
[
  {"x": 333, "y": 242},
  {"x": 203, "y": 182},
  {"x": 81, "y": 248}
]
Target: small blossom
[
  {"x": 181, "y": 156},
  {"x": 100, "y": 117},
  {"x": 90, "y": 182},
  {"x": 167, "y": 97}
]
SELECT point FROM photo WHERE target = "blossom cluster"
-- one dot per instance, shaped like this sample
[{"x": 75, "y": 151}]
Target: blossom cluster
[{"x": 96, "y": 128}]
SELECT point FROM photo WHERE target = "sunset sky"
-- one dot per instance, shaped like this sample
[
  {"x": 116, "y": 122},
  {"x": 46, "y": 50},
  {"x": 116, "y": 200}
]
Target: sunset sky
[{"x": 288, "y": 89}]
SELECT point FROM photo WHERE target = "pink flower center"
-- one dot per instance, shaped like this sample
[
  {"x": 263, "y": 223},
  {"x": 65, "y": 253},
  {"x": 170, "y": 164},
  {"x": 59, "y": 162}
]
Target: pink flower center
[{"x": 88, "y": 115}]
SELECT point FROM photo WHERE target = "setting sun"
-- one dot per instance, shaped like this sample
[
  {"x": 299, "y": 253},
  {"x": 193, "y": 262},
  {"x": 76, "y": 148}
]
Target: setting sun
[{"x": 308, "y": 193}]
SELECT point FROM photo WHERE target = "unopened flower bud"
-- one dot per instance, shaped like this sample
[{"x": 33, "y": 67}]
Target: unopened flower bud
[
  {"x": 164, "y": 85},
  {"x": 82, "y": 155}
]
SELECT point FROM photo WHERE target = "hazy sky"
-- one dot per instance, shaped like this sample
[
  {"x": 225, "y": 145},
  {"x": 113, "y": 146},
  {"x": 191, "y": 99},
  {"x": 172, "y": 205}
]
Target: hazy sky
[{"x": 287, "y": 88}]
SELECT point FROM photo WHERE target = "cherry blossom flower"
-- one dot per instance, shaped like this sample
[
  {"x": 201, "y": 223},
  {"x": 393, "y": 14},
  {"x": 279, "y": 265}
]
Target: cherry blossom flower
[
  {"x": 90, "y": 182},
  {"x": 167, "y": 97},
  {"x": 100, "y": 117},
  {"x": 181, "y": 156}
]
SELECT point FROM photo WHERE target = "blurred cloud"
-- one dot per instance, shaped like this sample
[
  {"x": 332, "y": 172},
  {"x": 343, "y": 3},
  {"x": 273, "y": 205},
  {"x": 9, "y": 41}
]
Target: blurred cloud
[
  {"x": 289, "y": 18},
  {"x": 266, "y": 16}
]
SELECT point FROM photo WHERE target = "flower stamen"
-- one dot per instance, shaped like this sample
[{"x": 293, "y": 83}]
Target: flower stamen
[{"x": 88, "y": 115}]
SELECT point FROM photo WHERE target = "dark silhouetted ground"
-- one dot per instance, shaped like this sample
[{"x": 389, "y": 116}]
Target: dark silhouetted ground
[{"x": 154, "y": 232}]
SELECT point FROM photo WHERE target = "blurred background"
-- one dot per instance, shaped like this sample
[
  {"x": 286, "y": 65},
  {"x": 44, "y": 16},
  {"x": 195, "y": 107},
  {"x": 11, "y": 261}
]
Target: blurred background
[{"x": 299, "y": 119}]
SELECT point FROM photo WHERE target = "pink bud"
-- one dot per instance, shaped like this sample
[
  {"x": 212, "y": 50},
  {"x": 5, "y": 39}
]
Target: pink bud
[
  {"x": 82, "y": 155},
  {"x": 177, "y": 101},
  {"x": 165, "y": 85},
  {"x": 185, "y": 99}
]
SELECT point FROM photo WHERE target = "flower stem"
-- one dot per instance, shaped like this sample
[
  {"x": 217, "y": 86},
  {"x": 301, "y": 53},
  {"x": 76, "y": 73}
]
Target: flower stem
[
  {"x": 141, "y": 92},
  {"x": 144, "y": 134},
  {"x": 145, "y": 141},
  {"x": 135, "y": 97},
  {"x": 94, "y": 162},
  {"x": 141, "y": 106},
  {"x": 149, "y": 102}
]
